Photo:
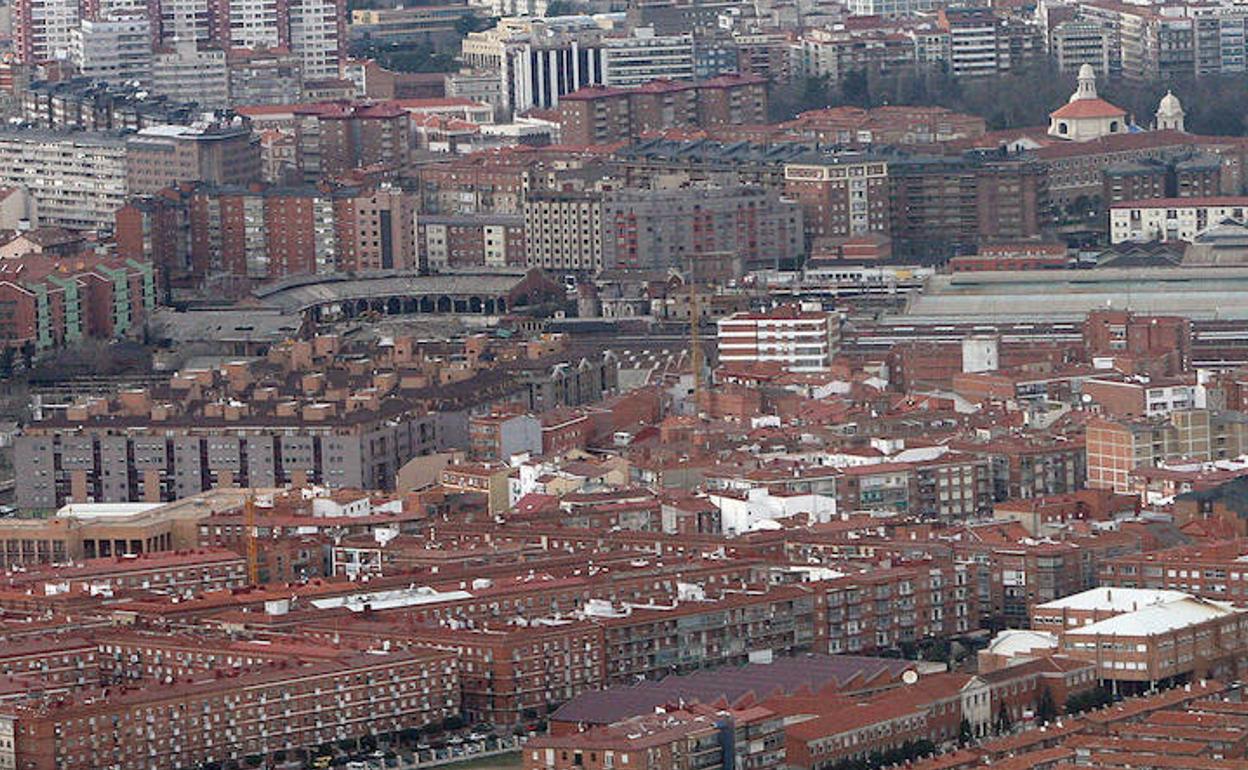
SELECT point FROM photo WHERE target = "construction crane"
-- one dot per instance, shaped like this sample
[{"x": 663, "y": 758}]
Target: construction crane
[
  {"x": 249, "y": 534},
  {"x": 695, "y": 345}
]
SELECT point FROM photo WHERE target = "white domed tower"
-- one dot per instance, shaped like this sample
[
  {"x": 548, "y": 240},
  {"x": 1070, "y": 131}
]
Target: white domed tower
[
  {"x": 1170, "y": 113},
  {"x": 1087, "y": 84},
  {"x": 1087, "y": 116}
]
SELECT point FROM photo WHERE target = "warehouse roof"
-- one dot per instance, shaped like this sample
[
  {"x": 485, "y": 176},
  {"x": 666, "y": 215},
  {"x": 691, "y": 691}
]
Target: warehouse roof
[
  {"x": 1047, "y": 295},
  {"x": 1158, "y": 618},
  {"x": 297, "y": 295},
  {"x": 1113, "y": 599}
]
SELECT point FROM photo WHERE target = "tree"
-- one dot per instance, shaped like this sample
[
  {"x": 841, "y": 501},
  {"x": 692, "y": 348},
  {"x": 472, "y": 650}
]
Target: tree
[
  {"x": 856, "y": 88},
  {"x": 559, "y": 8},
  {"x": 1046, "y": 709},
  {"x": 1089, "y": 700},
  {"x": 1004, "y": 722},
  {"x": 468, "y": 23},
  {"x": 965, "y": 735}
]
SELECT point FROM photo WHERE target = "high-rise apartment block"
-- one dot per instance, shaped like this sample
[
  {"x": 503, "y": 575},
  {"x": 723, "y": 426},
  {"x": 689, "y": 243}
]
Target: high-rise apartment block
[
  {"x": 260, "y": 233},
  {"x": 43, "y": 31},
  {"x": 116, "y": 49},
  {"x": 179, "y": 47},
  {"x": 78, "y": 180},
  {"x": 645, "y": 229}
]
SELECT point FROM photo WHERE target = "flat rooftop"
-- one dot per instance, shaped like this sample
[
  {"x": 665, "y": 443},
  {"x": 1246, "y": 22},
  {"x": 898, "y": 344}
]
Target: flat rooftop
[
  {"x": 1112, "y": 599},
  {"x": 1199, "y": 293},
  {"x": 106, "y": 510},
  {"x": 1158, "y": 618}
]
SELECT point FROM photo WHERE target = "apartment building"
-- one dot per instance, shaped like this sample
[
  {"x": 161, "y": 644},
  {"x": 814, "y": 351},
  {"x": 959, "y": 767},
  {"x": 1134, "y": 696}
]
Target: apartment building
[
  {"x": 984, "y": 44},
  {"x": 649, "y": 229},
  {"x": 77, "y": 180},
  {"x": 264, "y": 76},
  {"x": 940, "y": 202},
  {"x": 668, "y": 229},
  {"x": 691, "y": 636},
  {"x": 1186, "y": 175},
  {"x": 565, "y": 230},
  {"x": 60, "y": 661},
  {"x": 1212, "y": 571},
  {"x": 116, "y": 49},
  {"x": 89, "y": 105},
  {"x": 336, "y": 137},
  {"x": 1123, "y": 333},
  {"x": 643, "y": 57},
  {"x": 500, "y": 435},
  {"x": 51, "y": 302},
  {"x": 43, "y": 31},
  {"x": 80, "y": 462},
  {"x": 1146, "y": 45},
  {"x": 841, "y": 197},
  {"x": 186, "y": 72},
  {"x": 224, "y": 719},
  {"x": 887, "y": 608},
  {"x": 485, "y": 240},
  {"x": 800, "y": 340},
  {"x": 607, "y": 114},
  {"x": 1172, "y": 219},
  {"x": 693, "y": 738},
  {"x": 1117, "y": 446},
  {"x": 510, "y": 675},
  {"x": 1144, "y": 396},
  {"x": 1074, "y": 43},
  {"x": 210, "y": 153},
  {"x": 886, "y": 44},
  {"x": 155, "y": 230},
  {"x": 261, "y": 233},
  {"x": 318, "y": 34},
  {"x": 200, "y": 569}
]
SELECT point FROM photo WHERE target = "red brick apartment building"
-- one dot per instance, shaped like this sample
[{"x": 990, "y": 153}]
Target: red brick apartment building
[
  {"x": 932, "y": 709},
  {"x": 264, "y": 233},
  {"x": 888, "y": 125},
  {"x": 199, "y": 569},
  {"x": 1216, "y": 570},
  {"x": 603, "y": 115},
  {"x": 48, "y": 302},
  {"x": 230, "y": 716}
]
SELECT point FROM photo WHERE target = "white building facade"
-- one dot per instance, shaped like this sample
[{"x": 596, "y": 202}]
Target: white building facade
[
  {"x": 799, "y": 340},
  {"x": 1172, "y": 219}
]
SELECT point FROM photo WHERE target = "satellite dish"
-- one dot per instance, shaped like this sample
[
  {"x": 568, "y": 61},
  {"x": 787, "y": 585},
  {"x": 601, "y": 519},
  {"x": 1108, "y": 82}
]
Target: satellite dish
[{"x": 910, "y": 677}]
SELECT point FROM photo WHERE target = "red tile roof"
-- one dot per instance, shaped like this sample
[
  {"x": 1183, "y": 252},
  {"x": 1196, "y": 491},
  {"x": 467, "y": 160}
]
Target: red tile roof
[{"x": 1088, "y": 108}]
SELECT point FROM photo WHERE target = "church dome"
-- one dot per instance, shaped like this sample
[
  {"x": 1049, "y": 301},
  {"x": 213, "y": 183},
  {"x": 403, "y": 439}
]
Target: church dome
[{"x": 1170, "y": 105}]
